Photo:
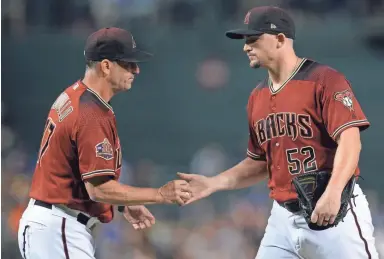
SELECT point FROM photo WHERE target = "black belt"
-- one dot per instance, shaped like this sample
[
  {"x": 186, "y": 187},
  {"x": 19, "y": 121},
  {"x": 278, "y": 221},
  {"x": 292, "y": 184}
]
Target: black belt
[
  {"x": 82, "y": 218},
  {"x": 291, "y": 205}
]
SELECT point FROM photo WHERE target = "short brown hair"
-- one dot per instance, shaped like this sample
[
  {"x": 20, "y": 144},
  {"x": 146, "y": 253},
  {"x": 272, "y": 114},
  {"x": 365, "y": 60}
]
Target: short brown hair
[{"x": 91, "y": 63}]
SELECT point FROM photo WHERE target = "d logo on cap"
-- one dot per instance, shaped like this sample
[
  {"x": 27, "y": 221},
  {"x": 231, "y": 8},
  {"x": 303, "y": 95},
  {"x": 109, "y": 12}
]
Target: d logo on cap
[{"x": 246, "y": 19}]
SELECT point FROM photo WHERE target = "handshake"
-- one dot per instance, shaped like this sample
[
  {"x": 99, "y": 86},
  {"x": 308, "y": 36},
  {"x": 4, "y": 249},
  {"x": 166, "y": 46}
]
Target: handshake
[{"x": 187, "y": 189}]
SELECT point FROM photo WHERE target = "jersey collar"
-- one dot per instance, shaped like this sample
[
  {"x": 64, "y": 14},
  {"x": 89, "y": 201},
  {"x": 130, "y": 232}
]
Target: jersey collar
[
  {"x": 288, "y": 79},
  {"x": 98, "y": 97}
]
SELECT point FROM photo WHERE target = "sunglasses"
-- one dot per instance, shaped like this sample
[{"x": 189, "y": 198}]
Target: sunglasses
[{"x": 131, "y": 66}]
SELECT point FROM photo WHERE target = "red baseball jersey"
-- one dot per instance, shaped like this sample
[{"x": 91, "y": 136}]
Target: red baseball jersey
[
  {"x": 295, "y": 128},
  {"x": 80, "y": 141}
]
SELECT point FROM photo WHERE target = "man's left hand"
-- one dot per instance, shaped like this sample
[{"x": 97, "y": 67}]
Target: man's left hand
[
  {"x": 326, "y": 208},
  {"x": 139, "y": 216}
]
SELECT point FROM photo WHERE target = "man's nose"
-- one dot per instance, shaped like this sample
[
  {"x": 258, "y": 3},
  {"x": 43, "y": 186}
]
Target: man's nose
[
  {"x": 246, "y": 48},
  {"x": 135, "y": 69}
]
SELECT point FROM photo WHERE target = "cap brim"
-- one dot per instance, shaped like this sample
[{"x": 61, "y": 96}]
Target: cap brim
[
  {"x": 138, "y": 56},
  {"x": 241, "y": 33}
]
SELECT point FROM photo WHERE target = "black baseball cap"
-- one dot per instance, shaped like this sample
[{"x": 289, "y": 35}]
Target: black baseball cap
[
  {"x": 265, "y": 19},
  {"x": 114, "y": 44}
]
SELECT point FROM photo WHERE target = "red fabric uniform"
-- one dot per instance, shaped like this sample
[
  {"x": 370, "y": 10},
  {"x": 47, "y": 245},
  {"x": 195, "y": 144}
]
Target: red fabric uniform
[
  {"x": 80, "y": 141},
  {"x": 295, "y": 128}
]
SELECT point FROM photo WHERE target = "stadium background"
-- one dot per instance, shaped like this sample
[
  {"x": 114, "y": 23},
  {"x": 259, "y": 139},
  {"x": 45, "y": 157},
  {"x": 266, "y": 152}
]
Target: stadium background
[{"x": 185, "y": 112}]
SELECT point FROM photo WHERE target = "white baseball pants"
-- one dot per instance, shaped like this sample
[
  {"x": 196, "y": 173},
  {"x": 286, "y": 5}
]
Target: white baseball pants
[
  {"x": 287, "y": 235},
  {"x": 52, "y": 233}
]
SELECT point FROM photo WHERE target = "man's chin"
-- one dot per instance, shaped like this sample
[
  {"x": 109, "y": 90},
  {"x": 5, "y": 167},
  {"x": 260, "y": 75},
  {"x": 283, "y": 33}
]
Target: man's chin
[
  {"x": 254, "y": 65},
  {"x": 127, "y": 87}
]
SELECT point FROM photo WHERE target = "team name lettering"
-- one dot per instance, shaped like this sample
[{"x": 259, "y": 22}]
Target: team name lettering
[{"x": 283, "y": 124}]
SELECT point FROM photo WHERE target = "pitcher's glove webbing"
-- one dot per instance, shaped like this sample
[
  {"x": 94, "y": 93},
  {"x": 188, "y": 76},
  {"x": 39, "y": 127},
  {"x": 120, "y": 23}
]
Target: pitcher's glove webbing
[{"x": 311, "y": 186}]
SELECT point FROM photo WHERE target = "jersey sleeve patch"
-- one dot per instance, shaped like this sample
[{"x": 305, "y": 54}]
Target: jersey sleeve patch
[
  {"x": 104, "y": 150},
  {"x": 345, "y": 97}
]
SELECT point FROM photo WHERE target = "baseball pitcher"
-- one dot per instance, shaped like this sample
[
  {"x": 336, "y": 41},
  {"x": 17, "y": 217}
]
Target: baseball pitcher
[{"x": 304, "y": 136}]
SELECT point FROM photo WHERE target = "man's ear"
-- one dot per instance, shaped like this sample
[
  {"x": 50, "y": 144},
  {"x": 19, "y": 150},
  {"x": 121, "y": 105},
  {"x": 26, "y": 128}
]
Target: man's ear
[
  {"x": 281, "y": 40},
  {"x": 105, "y": 66}
]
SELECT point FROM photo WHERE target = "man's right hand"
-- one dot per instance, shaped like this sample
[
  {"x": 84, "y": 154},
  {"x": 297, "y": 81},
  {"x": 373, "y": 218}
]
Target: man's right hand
[
  {"x": 176, "y": 191},
  {"x": 200, "y": 186}
]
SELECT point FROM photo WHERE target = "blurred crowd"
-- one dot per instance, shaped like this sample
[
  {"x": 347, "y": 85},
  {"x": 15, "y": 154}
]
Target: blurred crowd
[
  {"x": 22, "y": 16},
  {"x": 227, "y": 225},
  {"x": 230, "y": 226}
]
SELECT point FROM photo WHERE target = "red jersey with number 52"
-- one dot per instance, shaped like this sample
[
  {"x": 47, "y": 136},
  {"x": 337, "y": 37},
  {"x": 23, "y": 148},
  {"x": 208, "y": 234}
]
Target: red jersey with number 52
[
  {"x": 295, "y": 129},
  {"x": 80, "y": 141}
]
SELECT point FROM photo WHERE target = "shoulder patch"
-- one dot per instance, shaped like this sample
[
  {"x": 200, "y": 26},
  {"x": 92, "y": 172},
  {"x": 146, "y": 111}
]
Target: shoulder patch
[
  {"x": 104, "y": 150},
  {"x": 345, "y": 97}
]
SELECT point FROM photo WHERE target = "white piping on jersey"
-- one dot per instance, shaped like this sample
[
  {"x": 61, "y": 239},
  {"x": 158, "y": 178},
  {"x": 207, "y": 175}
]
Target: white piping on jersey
[
  {"x": 286, "y": 81},
  {"x": 98, "y": 172},
  {"x": 101, "y": 99},
  {"x": 249, "y": 153},
  {"x": 350, "y": 123}
]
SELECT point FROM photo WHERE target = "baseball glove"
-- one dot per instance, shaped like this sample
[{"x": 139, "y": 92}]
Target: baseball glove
[{"x": 311, "y": 186}]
